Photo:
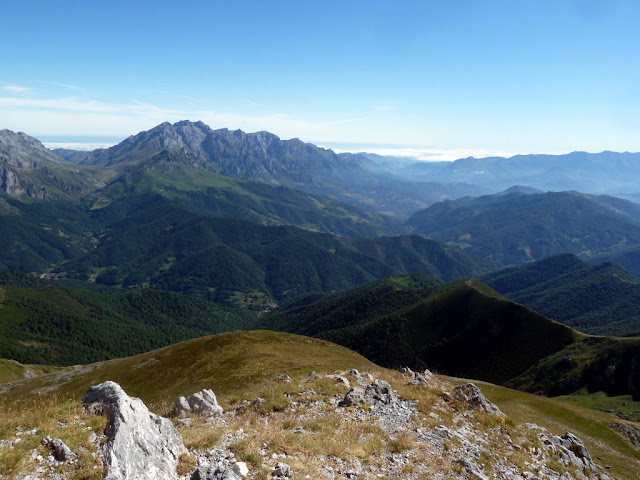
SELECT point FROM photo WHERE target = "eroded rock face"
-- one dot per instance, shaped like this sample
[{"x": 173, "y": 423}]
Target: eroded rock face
[
  {"x": 202, "y": 403},
  {"x": 141, "y": 445},
  {"x": 9, "y": 182}
]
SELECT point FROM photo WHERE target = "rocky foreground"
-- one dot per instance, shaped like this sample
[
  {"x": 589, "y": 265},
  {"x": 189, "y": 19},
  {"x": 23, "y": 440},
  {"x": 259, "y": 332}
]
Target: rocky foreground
[{"x": 348, "y": 425}]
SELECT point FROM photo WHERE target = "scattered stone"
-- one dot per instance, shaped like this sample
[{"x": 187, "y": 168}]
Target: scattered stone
[
  {"x": 21, "y": 431},
  {"x": 283, "y": 378},
  {"x": 473, "y": 469},
  {"x": 571, "y": 450},
  {"x": 342, "y": 381},
  {"x": 61, "y": 451},
  {"x": 472, "y": 395},
  {"x": 353, "y": 398},
  {"x": 328, "y": 472},
  {"x": 407, "y": 371},
  {"x": 378, "y": 391},
  {"x": 201, "y": 403},
  {"x": 240, "y": 469},
  {"x": 211, "y": 472},
  {"x": 282, "y": 470},
  {"x": 141, "y": 445},
  {"x": 185, "y": 422},
  {"x": 629, "y": 430},
  {"x": 428, "y": 375}
]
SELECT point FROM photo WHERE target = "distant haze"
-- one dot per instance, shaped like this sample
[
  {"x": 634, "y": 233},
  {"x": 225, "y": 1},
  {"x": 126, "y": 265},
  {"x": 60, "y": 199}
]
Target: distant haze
[
  {"x": 78, "y": 146},
  {"x": 429, "y": 154}
]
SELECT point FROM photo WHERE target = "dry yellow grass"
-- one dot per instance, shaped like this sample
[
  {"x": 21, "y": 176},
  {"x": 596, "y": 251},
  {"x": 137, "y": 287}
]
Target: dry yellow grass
[{"x": 56, "y": 418}]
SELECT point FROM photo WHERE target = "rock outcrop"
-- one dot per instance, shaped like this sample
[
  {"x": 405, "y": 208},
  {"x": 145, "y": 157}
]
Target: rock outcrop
[
  {"x": 472, "y": 395},
  {"x": 141, "y": 445},
  {"x": 378, "y": 391},
  {"x": 203, "y": 403}
]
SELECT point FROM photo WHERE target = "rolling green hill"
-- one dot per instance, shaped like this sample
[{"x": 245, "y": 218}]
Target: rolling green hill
[
  {"x": 171, "y": 248},
  {"x": 600, "y": 298},
  {"x": 315, "y": 313},
  {"x": 629, "y": 259},
  {"x": 516, "y": 228}
]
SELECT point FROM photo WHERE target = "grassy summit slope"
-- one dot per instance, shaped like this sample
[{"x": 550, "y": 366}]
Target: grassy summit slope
[
  {"x": 229, "y": 363},
  {"x": 243, "y": 365}
]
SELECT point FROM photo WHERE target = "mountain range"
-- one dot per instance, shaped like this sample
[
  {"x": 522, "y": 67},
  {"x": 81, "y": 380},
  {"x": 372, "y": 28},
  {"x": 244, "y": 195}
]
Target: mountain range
[
  {"x": 264, "y": 157},
  {"x": 607, "y": 172},
  {"x": 183, "y": 230}
]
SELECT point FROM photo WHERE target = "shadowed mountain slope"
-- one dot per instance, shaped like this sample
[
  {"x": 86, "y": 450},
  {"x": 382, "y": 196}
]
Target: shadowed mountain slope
[{"x": 465, "y": 329}]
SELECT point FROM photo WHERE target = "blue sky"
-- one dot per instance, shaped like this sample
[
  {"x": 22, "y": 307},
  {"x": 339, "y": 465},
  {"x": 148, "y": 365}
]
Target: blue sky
[{"x": 445, "y": 78}]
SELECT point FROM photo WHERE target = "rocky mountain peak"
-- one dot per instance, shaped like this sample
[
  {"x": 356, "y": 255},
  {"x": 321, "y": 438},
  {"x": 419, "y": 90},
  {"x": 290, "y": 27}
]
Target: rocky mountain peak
[
  {"x": 23, "y": 151},
  {"x": 258, "y": 156}
]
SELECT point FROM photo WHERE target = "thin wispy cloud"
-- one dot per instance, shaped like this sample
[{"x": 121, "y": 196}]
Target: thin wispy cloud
[
  {"x": 348, "y": 120},
  {"x": 75, "y": 115},
  {"x": 64, "y": 85},
  {"x": 82, "y": 105},
  {"x": 17, "y": 89}
]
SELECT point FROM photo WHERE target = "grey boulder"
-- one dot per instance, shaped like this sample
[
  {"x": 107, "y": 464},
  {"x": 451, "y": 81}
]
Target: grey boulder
[{"x": 202, "y": 403}]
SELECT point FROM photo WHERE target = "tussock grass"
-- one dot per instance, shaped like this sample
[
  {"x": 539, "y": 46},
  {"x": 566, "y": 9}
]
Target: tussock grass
[
  {"x": 52, "y": 416},
  {"x": 402, "y": 442},
  {"x": 186, "y": 464},
  {"x": 200, "y": 435}
]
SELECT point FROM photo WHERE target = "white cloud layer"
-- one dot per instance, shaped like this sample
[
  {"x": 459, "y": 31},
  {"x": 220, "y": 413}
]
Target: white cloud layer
[
  {"x": 430, "y": 154},
  {"x": 84, "y": 146}
]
